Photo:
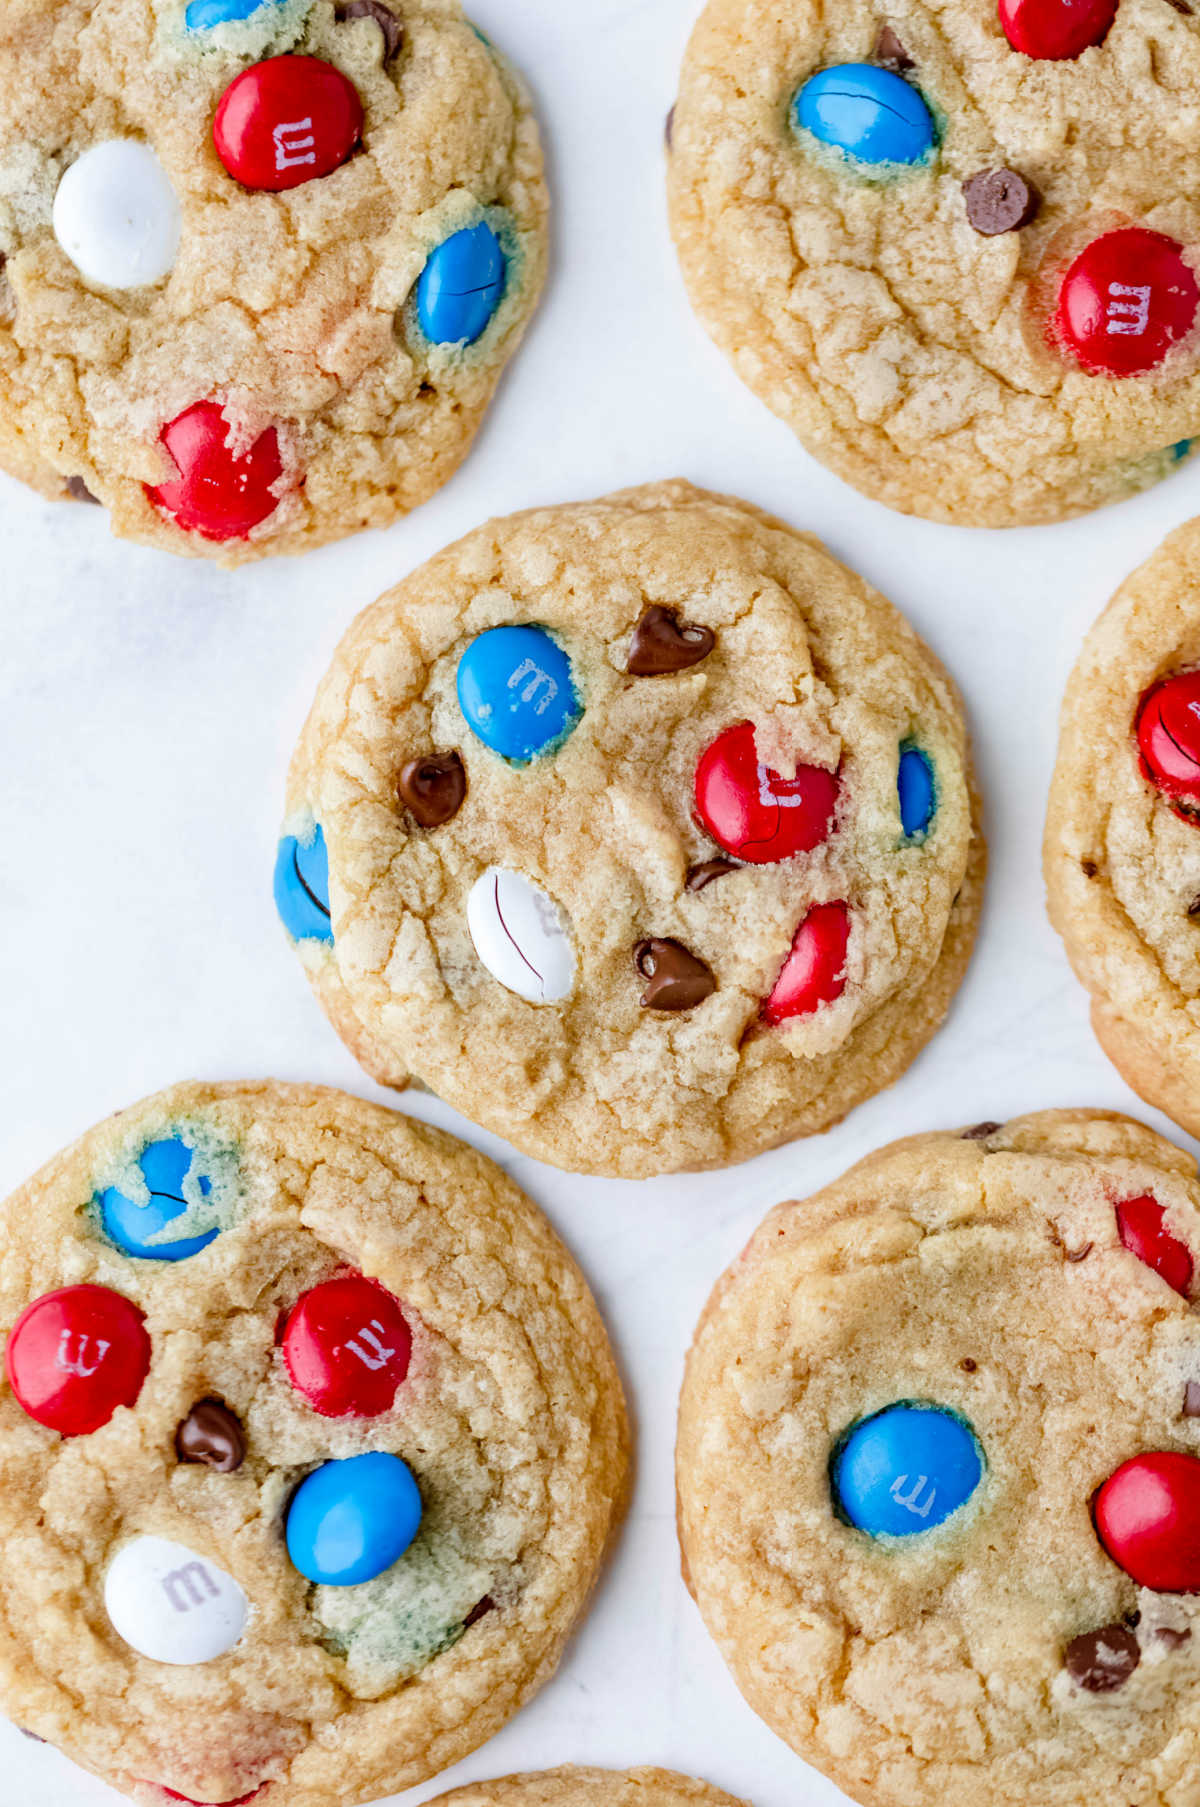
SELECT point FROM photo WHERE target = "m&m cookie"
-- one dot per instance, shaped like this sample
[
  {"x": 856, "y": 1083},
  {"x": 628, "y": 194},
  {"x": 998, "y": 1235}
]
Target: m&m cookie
[
  {"x": 939, "y": 1469},
  {"x": 261, "y": 261},
  {"x": 573, "y": 1787},
  {"x": 955, "y": 248},
  {"x": 642, "y": 831},
  {"x": 1122, "y": 847},
  {"x": 303, "y": 1483}
]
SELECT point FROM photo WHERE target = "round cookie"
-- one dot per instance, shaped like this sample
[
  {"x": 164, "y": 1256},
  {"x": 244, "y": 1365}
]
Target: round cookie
[
  {"x": 955, "y": 247},
  {"x": 640, "y": 830},
  {"x": 261, "y": 261},
  {"x": 306, "y": 1515},
  {"x": 1122, "y": 847},
  {"x": 903, "y": 1404},
  {"x": 572, "y": 1787}
]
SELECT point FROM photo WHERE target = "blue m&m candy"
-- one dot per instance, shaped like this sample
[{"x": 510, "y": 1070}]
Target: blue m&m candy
[
  {"x": 917, "y": 791},
  {"x": 351, "y": 1520},
  {"x": 206, "y": 15},
  {"x": 869, "y": 113},
  {"x": 461, "y": 286},
  {"x": 516, "y": 692},
  {"x": 135, "y": 1228},
  {"x": 905, "y": 1470},
  {"x": 302, "y": 887}
]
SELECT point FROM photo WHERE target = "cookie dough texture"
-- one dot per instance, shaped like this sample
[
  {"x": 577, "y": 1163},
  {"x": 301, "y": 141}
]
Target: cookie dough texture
[
  {"x": 986, "y": 1276},
  {"x": 907, "y": 351},
  {"x": 511, "y": 1418},
  {"x": 293, "y": 310},
  {"x": 1122, "y": 868},
  {"x": 828, "y": 672},
  {"x": 571, "y": 1787}
]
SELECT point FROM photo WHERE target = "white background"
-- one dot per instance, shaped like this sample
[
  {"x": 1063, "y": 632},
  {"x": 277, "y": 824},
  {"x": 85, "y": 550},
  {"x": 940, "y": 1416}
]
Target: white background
[{"x": 147, "y": 710}]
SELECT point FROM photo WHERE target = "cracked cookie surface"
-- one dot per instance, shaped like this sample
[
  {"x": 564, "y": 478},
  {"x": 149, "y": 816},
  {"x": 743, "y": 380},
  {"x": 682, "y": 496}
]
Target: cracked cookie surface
[
  {"x": 575, "y": 1787},
  {"x": 990, "y": 1278},
  {"x": 298, "y": 315},
  {"x": 915, "y": 352},
  {"x": 499, "y": 1394},
  {"x": 742, "y": 835}
]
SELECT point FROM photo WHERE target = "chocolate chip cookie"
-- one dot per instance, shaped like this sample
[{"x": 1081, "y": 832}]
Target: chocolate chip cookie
[{"x": 571, "y": 1787}]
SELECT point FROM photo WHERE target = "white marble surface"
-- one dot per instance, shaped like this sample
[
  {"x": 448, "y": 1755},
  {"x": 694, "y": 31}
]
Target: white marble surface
[{"x": 147, "y": 709}]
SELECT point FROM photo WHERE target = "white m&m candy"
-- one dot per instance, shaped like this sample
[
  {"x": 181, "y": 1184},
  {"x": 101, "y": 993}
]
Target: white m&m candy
[
  {"x": 521, "y": 937},
  {"x": 117, "y": 216},
  {"x": 172, "y": 1605}
]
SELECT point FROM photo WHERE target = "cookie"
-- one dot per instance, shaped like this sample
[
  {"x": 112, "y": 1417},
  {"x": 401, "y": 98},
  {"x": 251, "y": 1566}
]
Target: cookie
[
  {"x": 640, "y": 830},
  {"x": 955, "y": 248},
  {"x": 1122, "y": 849},
  {"x": 310, "y": 1443},
  {"x": 261, "y": 261},
  {"x": 571, "y": 1787},
  {"x": 939, "y": 1469}
]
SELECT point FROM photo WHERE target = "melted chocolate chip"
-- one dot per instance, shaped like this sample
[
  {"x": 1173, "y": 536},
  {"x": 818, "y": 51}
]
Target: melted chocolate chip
[
  {"x": 384, "y": 17},
  {"x": 78, "y": 491},
  {"x": 891, "y": 52},
  {"x": 1080, "y": 1254},
  {"x": 1102, "y": 1660},
  {"x": 669, "y": 128},
  {"x": 485, "y": 1606},
  {"x": 211, "y": 1434},
  {"x": 699, "y": 876},
  {"x": 1173, "y": 1637},
  {"x": 1181, "y": 6},
  {"x": 433, "y": 788},
  {"x": 1191, "y": 1399},
  {"x": 967, "y": 1365},
  {"x": 662, "y": 643},
  {"x": 1089, "y": 868},
  {"x": 981, "y": 1132},
  {"x": 677, "y": 979},
  {"x": 999, "y": 200}
]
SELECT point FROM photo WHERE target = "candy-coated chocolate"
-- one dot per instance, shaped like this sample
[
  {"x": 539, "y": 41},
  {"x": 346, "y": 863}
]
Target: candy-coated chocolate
[
  {"x": 117, "y": 216},
  {"x": 285, "y": 121},
  {"x": 1147, "y": 1517},
  {"x": 905, "y": 1470},
  {"x": 1056, "y": 30},
  {"x": 74, "y": 1356},
  {"x": 347, "y": 1347},
  {"x": 351, "y": 1520},
  {"x": 1125, "y": 301},
  {"x": 516, "y": 692},
  {"x": 461, "y": 286},
  {"x": 1168, "y": 735},
  {"x": 814, "y": 973},
  {"x": 220, "y": 493},
  {"x": 1144, "y": 1234},
  {"x": 137, "y": 1229},
  {"x": 302, "y": 887},
  {"x": 751, "y": 811},
  {"x": 871, "y": 114},
  {"x": 521, "y": 936},
  {"x": 917, "y": 791},
  {"x": 206, "y": 15},
  {"x": 171, "y": 1604}
]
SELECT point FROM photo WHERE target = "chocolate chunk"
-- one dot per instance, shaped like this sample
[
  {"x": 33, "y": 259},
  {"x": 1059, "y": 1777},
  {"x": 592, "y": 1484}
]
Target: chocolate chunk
[
  {"x": 699, "y": 876},
  {"x": 669, "y": 128},
  {"x": 384, "y": 17},
  {"x": 78, "y": 491},
  {"x": 485, "y": 1606},
  {"x": 1102, "y": 1660},
  {"x": 662, "y": 643},
  {"x": 433, "y": 788},
  {"x": 1089, "y": 868},
  {"x": 1181, "y": 6},
  {"x": 981, "y": 1132},
  {"x": 891, "y": 53},
  {"x": 1191, "y": 1399},
  {"x": 211, "y": 1434},
  {"x": 1080, "y": 1254},
  {"x": 967, "y": 1365},
  {"x": 999, "y": 200},
  {"x": 1172, "y": 1637},
  {"x": 678, "y": 980}
]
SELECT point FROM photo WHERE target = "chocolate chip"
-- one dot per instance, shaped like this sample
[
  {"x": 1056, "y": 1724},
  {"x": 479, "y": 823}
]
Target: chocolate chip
[
  {"x": 699, "y": 876},
  {"x": 32, "y": 1736},
  {"x": 1181, "y": 6},
  {"x": 1191, "y": 1399},
  {"x": 999, "y": 200},
  {"x": 384, "y": 17},
  {"x": 78, "y": 491},
  {"x": 678, "y": 980},
  {"x": 1102, "y": 1660},
  {"x": 1172, "y": 1637},
  {"x": 1194, "y": 907},
  {"x": 433, "y": 788},
  {"x": 211, "y": 1434},
  {"x": 1089, "y": 868},
  {"x": 485, "y": 1606},
  {"x": 1080, "y": 1254},
  {"x": 967, "y": 1365},
  {"x": 981, "y": 1132},
  {"x": 662, "y": 643},
  {"x": 669, "y": 128},
  {"x": 891, "y": 52}
]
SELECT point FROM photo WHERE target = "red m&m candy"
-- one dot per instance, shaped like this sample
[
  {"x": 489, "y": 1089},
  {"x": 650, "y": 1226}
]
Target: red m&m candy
[
  {"x": 347, "y": 1347},
  {"x": 1125, "y": 301},
  {"x": 219, "y": 493},
  {"x": 75, "y": 1355},
  {"x": 1148, "y": 1519},
  {"x": 1140, "y": 1222},
  {"x": 814, "y": 973},
  {"x": 754, "y": 813},
  {"x": 1056, "y": 30},
  {"x": 286, "y": 121},
  {"x": 1168, "y": 735}
]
